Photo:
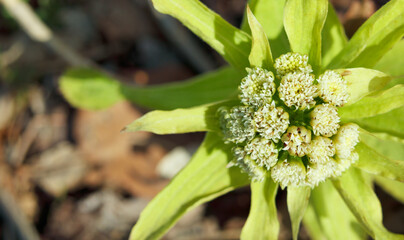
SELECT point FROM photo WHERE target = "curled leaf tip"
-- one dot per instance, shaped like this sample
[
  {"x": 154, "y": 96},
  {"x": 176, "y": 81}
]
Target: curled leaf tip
[{"x": 124, "y": 130}]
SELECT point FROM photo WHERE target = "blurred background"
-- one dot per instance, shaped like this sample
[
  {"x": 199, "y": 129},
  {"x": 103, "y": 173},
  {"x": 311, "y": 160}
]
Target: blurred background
[{"x": 67, "y": 173}]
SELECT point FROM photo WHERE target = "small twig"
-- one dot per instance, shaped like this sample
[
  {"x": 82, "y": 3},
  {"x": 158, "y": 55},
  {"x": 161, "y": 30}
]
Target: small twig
[
  {"x": 38, "y": 31},
  {"x": 12, "y": 214},
  {"x": 12, "y": 54}
]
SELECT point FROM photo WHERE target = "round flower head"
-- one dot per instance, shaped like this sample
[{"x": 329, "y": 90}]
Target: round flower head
[
  {"x": 257, "y": 87},
  {"x": 292, "y": 62},
  {"x": 271, "y": 121},
  {"x": 237, "y": 124},
  {"x": 296, "y": 140},
  {"x": 346, "y": 140},
  {"x": 333, "y": 88},
  {"x": 321, "y": 150},
  {"x": 319, "y": 172},
  {"x": 324, "y": 120},
  {"x": 344, "y": 163},
  {"x": 262, "y": 151},
  {"x": 289, "y": 173},
  {"x": 298, "y": 91},
  {"x": 248, "y": 165}
]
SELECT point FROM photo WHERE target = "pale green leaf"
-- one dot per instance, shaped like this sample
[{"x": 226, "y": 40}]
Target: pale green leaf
[
  {"x": 262, "y": 222},
  {"x": 89, "y": 89},
  {"x": 374, "y": 38},
  {"x": 196, "y": 119},
  {"x": 333, "y": 38},
  {"x": 362, "y": 81},
  {"x": 205, "y": 88},
  {"x": 373, "y": 162},
  {"x": 391, "y": 122},
  {"x": 392, "y": 63},
  {"x": 260, "y": 55},
  {"x": 297, "y": 200},
  {"x": 394, "y": 188},
  {"x": 377, "y": 103},
  {"x": 304, "y": 21},
  {"x": 233, "y": 44},
  {"x": 270, "y": 15},
  {"x": 312, "y": 224},
  {"x": 206, "y": 177},
  {"x": 334, "y": 217},
  {"x": 92, "y": 89},
  {"x": 385, "y": 144},
  {"x": 363, "y": 202}
]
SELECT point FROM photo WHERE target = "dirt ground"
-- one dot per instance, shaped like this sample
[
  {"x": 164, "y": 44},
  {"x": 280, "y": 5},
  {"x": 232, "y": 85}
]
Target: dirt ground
[{"x": 68, "y": 173}]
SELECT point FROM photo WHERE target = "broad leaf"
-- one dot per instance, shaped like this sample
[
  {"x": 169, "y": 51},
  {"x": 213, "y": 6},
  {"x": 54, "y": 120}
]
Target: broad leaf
[
  {"x": 375, "y": 163},
  {"x": 89, "y": 89},
  {"x": 335, "y": 219},
  {"x": 93, "y": 90},
  {"x": 203, "y": 89},
  {"x": 362, "y": 81},
  {"x": 297, "y": 199},
  {"x": 233, "y": 44},
  {"x": 377, "y": 103},
  {"x": 270, "y": 15},
  {"x": 394, "y": 188},
  {"x": 392, "y": 63},
  {"x": 262, "y": 222},
  {"x": 260, "y": 55},
  {"x": 391, "y": 122},
  {"x": 333, "y": 38},
  {"x": 206, "y": 177},
  {"x": 363, "y": 202},
  {"x": 374, "y": 38},
  {"x": 385, "y": 144},
  {"x": 196, "y": 119},
  {"x": 304, "y": 21}
]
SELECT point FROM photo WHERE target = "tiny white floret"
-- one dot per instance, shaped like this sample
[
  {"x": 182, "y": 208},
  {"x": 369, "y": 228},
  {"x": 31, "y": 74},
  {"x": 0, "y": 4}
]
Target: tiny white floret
[
  {"x": 297, "y": 90},
  {"x": 346, "y": 139},
  {"x": 292, "y": 62},
  {"x": 257, "y": 87},
  {"x": 324, "y": 120},
  {"x": 296, "y": 140},
  {"x": 271, "y": 121},
  {"x": 333, "y": 88}
]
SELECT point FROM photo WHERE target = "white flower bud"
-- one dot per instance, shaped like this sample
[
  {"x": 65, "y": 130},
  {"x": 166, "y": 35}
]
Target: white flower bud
[
  {"x": 319, "y": 172},
  {"x": 298, "y": 91},
  {"x": 333, "y": 88},
  {"x": 248, "y": 165},
  {"x": 324, "y": 120},
  {"x": 292, "y": 62},
  {"x": 263, "y": 152},
  {"x": 346, "y": 140},
  {"x": 321, "y": 149},
  {"x": 344, "y": 163},
  {"x": 257, "y": 87},
  {"x": 271, "y": 121},
  {"x": 237, "y": 124},
  {"x": 296, "y": 140},
  {"x": 289, "y": 173}
]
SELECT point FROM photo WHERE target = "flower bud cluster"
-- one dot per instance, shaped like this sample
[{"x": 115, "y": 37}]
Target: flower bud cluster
[{"x": 287, "y": 127}]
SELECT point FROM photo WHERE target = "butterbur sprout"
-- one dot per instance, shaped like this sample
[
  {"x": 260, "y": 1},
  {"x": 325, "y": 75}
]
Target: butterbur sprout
[
  {"x": 309, "y": 160},
  {"x": 294, "y": 109}
]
